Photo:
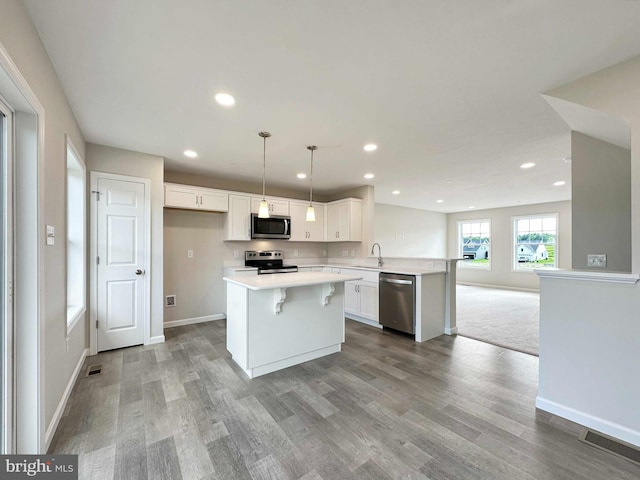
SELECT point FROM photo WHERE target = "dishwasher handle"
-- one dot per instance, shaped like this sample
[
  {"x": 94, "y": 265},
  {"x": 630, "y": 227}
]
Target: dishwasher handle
[{"x": 400, "y": 282}]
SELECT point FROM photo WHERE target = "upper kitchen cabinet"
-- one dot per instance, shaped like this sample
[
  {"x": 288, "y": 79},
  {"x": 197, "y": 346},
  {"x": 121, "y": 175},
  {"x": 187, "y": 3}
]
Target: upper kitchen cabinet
[
  {"x": 303, "y": 231},
  {"x": 195, "y": 198},
  {"x": 237, "y": 224},
  {"x": 344, "y": 220},
  {"x": 277, "y": 206}
]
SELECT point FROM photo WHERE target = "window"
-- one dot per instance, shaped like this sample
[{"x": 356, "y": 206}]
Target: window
[
  {"x": 474, "y": 243},
  {"x": 535, "y": 241},
  {"x": 76, "y": 239}
]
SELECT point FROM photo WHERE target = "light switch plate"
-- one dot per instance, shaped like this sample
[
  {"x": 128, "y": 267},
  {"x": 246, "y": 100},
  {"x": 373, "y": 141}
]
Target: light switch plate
[
  {"x": 189, "y": 253},
  {"x": 51, "y": 235},
  {"x": 597, "y": 261}
]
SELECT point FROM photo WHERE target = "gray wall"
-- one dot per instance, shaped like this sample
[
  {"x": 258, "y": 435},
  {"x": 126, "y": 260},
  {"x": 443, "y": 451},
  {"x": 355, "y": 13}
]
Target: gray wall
[
  {"x": 135, "y": 164},
  {"x": 197, "y": 282},
  {"x": 501, "y": 273},
  {"x": 19, "y": 38},
  {"x": 410, "y": 232},
  {"x": 601, "y": 206}
]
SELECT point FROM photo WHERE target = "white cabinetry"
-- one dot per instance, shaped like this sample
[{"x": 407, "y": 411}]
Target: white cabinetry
[
  {"x": 195, "y": 198},
  {"x": 237, "y": 225},
  {"x": 344, "y": 220},
  {"x": 361, "y": 297},
  {"x": 303, "y": 231},
  {"x": 277, "y": 206}
]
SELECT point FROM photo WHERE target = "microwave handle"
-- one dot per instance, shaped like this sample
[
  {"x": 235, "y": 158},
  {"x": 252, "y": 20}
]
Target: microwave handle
[{"x": 287, "y": 222}]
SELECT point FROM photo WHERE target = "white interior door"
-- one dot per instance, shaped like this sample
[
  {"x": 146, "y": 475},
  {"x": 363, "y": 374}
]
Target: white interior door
[{"x": 122, "y": 241}]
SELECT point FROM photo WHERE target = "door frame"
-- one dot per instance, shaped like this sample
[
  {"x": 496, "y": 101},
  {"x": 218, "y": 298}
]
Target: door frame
[
  {"x": 28, "y": 257},
  {"x": 93, "y": 270},
  {"x": 7, "y": 376}
]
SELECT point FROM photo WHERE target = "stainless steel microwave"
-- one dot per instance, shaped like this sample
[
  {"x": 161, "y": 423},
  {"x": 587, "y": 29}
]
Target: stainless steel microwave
[{"x": 276, "y": 227}]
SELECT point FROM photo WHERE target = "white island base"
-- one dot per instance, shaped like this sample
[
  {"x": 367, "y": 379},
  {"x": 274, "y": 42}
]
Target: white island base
[{"x": 283, "y": 320}]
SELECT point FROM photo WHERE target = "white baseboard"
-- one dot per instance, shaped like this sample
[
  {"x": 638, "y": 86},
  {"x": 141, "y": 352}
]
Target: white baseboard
[
  {"x": 156, "y": 339},
  {"x": 366, "y": 321},
  {"x": 189, "y": 321},
  {"x": 499, "y": 287},
  {"x": 57, "y": 415},
  {"x": 598, "y": 424},
  {"x": 451, "y": 331}
]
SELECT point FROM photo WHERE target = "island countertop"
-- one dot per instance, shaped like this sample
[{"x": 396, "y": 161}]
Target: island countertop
[{"x": 288, "y": 280}]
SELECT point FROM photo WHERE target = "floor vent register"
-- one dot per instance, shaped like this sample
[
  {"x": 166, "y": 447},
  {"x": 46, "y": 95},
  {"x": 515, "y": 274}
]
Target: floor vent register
[
  {"x": 94, "y": 370},
  {"x": 611, "y": 445}
]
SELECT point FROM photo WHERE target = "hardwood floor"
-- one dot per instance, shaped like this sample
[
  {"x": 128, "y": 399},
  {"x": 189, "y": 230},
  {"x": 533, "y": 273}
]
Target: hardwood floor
[{"x": 385, "y": 407}]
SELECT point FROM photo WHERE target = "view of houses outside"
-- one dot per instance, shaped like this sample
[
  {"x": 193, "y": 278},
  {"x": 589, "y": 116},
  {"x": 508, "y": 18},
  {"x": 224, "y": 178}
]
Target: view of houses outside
[
  {"x": 475, "y": 243},
  {"x": 535, "y": 241}
]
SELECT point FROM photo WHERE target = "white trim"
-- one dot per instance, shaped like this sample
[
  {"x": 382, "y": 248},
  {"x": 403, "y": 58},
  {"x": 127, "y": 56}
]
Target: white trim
[
  {"x": 154, "y": 340},
  {"x": 7, "y": 373},
  {"x": 93, "y": 274},
  {"x": 29, "y": 223},
  {"x": 604, "y": 426},
  {"x": 73, "y": 319},
  {"x": 451, "y": 331},
  {"x": 463, "y": 262},
  {"x": 289, "y": 362},
  {"x": 57, "y": 415},
  {"x": 604, "y": 277},
  {"x": 189, "y": 321},
  {"x": 366, "y": 321},
  {"x": 499, "y": 287},
  {"x": 76, "y": 315}
]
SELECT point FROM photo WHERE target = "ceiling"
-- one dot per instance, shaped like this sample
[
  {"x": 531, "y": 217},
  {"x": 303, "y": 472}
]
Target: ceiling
[{"x": 449, "y": 91}]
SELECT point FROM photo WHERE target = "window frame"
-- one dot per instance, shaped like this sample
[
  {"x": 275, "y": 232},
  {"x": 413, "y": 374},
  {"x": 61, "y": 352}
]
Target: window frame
[
  {"x": 77, "y": 311},
  {"x": 514, "y": 241},
  {"x": 464, "y": 264}
]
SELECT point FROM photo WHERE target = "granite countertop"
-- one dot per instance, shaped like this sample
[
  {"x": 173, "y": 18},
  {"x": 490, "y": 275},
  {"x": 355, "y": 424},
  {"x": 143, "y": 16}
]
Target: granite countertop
[{"x": 300, "y": 279}]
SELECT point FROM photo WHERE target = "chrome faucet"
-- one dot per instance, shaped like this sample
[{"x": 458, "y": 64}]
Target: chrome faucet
[{"x": 380, "y": 261}]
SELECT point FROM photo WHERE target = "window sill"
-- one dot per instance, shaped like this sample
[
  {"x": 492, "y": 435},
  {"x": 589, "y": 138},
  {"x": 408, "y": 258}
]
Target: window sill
[{"x": 74, "y": 314}]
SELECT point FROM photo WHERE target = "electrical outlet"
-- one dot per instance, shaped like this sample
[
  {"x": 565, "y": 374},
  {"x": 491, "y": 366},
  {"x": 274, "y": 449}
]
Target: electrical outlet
[
  {"x": 324, "y": 253},
  {"x": 345, "y": 253},
  {"x": 429, "y": 265},
  {"x": 353, "y": 253},
  {"x": 596, "y": 260},
  {"x": 295, "y": 253},
  {"x": 236, "y": 254},
  {"x": 67, "y": 344},
  {"x": 189, "y": 253},
  {"x": 170, "y": 301}
]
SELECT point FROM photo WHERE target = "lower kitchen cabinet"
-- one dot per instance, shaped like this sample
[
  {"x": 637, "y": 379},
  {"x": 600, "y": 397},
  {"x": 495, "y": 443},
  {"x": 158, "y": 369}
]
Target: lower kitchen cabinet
[{"x": 361, "y": 297}]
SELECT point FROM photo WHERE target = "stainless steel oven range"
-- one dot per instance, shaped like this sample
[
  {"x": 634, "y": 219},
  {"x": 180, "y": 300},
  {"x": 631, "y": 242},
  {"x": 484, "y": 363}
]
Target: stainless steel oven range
[{"x": 268, "y": 261}]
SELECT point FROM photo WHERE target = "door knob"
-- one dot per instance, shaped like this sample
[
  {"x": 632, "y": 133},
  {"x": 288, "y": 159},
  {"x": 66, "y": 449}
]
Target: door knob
[{"x": 139, "y": 272}]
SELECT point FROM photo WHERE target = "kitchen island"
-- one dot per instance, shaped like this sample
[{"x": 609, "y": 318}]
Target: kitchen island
[{"x": 276, "y": 321}]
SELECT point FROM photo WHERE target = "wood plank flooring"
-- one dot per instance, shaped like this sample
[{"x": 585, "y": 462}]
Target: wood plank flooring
[{"x": 384, "y": 408}]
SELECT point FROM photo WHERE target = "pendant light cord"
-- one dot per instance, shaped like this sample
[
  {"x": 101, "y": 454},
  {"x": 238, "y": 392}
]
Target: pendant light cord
[
  {"x": 311, "y": 181},
  {"x": 264, "y": 164}
]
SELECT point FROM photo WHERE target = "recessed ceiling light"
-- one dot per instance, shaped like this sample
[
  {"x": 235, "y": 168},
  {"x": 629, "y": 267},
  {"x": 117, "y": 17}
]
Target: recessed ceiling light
[
  {"x": 559, "y": 184},
  {"x": 225, "y": 99},
  {"x": 396, "y": 192},
  {"x": 471, "y": 206},
  {"x": 370, "y": 147},
  {"x": 301, "y": 175},
  {"x": 190, "y": 154},
  {"x": 527, "y": 165},
  {"x": 369, "y": 176},
  {"x": 439, "y": 201}
]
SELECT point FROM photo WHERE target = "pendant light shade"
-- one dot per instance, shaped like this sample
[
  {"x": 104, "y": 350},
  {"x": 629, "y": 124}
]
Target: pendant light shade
[
  {"x": 311, "y": 212},
  {"x": 263, "y": 212}
]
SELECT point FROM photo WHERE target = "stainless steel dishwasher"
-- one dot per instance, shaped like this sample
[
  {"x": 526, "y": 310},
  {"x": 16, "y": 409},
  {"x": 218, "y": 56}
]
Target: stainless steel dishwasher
[{"x": 397, "y": 308}]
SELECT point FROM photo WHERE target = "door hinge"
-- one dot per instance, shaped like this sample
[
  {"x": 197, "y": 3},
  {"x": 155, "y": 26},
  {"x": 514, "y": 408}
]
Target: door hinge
[
  {"x": 98, "y": 260},
  {"x": 96, "y": 323},
  {"x": 97, "y": 192}
]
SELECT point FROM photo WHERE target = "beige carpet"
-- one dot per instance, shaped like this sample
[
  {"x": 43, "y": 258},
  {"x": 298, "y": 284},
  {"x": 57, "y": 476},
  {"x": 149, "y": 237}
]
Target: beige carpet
[{"x": 506, "y": 318}]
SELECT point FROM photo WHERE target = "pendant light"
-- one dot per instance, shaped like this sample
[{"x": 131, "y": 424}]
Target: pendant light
[
  {"x": 311, "y": 213},
  {"x": 263, "y": 212}
]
